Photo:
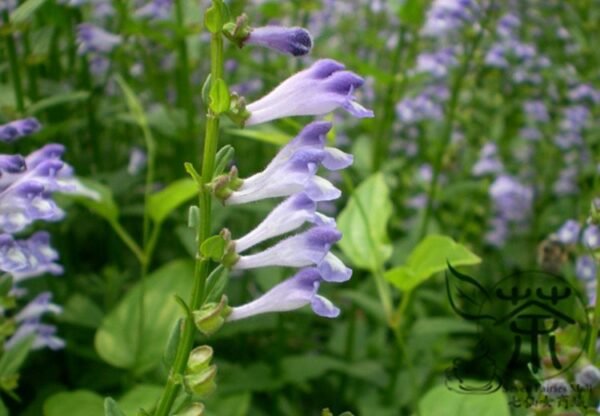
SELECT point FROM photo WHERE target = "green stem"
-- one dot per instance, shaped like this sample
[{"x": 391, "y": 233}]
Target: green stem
[
  {"x": 201, "y": 269},
  {"x": 446, "y": 136},
  {"x": 129, "y": 241},
  {"x": 14, "y": 66}
]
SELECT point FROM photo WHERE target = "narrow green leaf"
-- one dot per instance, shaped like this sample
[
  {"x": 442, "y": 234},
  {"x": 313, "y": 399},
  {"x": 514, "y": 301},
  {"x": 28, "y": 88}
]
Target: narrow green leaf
[
  {"x": 58, "y": 99},
  {"x": 111, "y": 408},
  {"x": 364, "y": 224},
  {"x": 13, "y": 358},
  {"x": 105, "y": 206},
  {"x": 26, "y": 10},
  {"x": 162, "y": 203}
]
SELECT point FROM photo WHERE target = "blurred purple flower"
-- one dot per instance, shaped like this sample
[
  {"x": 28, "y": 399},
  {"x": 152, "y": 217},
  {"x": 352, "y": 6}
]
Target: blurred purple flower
[{"x": 295, "y": 41}]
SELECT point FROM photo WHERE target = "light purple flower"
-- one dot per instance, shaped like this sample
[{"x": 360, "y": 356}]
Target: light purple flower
[
  {"x": 488, "y": 162},
  {"x": 301, "y": 250},
  {"x": 315, "y": 91},
  {"x": 437, "y": 63},
  {"x": 19, "y": 128},
  {"x": 294, "y": 169},
  {"x": 512, "y": 199},
  {"x": 591, "y": 237},
  {"x": 94, "y": 39},
  {"x": 155, "y": 9},
  {"x": 25, "y": 259},
  {"x": 137, "y": 161},
  {"x": 446, "y": 16},
  {"x": 291, "y": 294},
  {"x": 569, "y": 232},
  {"x": 536, "y": 110},
  {"x": 287, "y": 216},
  {"x": 586, "y": 268},
  {"x": 295, "y": 41}
]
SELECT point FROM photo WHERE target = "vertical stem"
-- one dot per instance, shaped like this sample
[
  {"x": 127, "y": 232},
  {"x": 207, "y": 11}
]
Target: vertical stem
[
  {"x": 447, "y": 135},
  {"x": 14, "y": 66},
  {"x": 201, "y": 269}
]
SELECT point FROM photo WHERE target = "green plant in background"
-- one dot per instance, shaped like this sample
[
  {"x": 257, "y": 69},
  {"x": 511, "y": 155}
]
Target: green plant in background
[{"x": 484, "y": 141}]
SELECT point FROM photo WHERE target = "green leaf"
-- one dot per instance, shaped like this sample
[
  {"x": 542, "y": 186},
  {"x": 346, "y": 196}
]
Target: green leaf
[
  {"x": 13, "y": 358},
  {"x": 119, "y": 341},
  {"x": 81, "y": 310},
  {"x": 76, "y": 403},
  {"x": 440, "y": 401},
  {"x": 26, "y": 10},
  {"x": 220, "y": 99},
  {"x": 265, "y": 134},
  {"x": 143, "y": 396},
  {"x": 111, "y": 408},
  {"x": 162, "y": 203},
  {"x": 364, "y": 224},
  {"x": 412, "y": 12},
  {"x": 105, "y": 206},
  {"x": 431, "y": 256},
  {"x": 213, "y": 248},
  {"x": 216, "y": 283},
  {"x": 58, "y": 99}
]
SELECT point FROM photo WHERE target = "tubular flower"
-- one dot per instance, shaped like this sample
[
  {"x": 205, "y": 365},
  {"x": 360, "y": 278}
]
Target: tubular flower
[
  {"x": 287, "y": 216},
  {"x": 295, "y": 41},
  {"x": 18, "y": 129},
  {"x": 94, "y": 39},
  {"x": 315, "y": 91},
  {"x": 293, "y": 293},
  {"x": 301, "y": 250},
  {"x": 294, "y": 170}
]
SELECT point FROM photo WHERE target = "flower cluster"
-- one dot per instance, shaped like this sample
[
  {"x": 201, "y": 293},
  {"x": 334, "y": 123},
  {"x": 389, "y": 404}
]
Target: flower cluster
[
  {"x": 26, "y": 188},
  {"x": 585, "y": 240},
  {"x": 293, "y": 174}
]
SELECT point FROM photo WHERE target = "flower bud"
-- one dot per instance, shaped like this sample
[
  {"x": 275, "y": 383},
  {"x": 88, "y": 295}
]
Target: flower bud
[
  {"x": 203, "y": 383},
  {"x": 199, "y": 359},
  {"x": 211, "y": 317},
  {"x": 196, "y": 409}
]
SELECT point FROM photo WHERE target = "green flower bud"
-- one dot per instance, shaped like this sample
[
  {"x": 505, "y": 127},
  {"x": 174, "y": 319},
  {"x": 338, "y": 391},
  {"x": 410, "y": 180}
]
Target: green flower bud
[
  {"x": 211, "y": 317},
  {"x": 203, "y": 383},
  {"x": 199, "y": 359},
  {"x": 196, "y": 409}
]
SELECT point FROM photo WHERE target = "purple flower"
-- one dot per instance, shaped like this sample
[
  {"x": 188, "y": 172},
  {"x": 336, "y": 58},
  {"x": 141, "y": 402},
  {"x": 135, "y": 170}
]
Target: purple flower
[
  {"x": 488, "y": 162},
  {"x": 569, "y": 232},
  {"x": 446, "y": 16},
  {"x": 19, "y": 128},
  {"x": 94, "y": 39},
  {"x": 155, "y": 9},
  {"x": 512, "y": 199},
  {"x": 287, "y": 216},
  {"x": 295, "y": 41},
  {"x": 536, "y": 111},
  {"x": 294, "y": 168},
  {"x": 301, "y": 250},
  {"x": 437, "y": 63},
  {"x": 293, "y": 293},
  {"x": 25, "y": 259},
  {"x": 317, "y": 90},
  {"x": 586, "y": 268},
  {"x": 591, "y": 237}
]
